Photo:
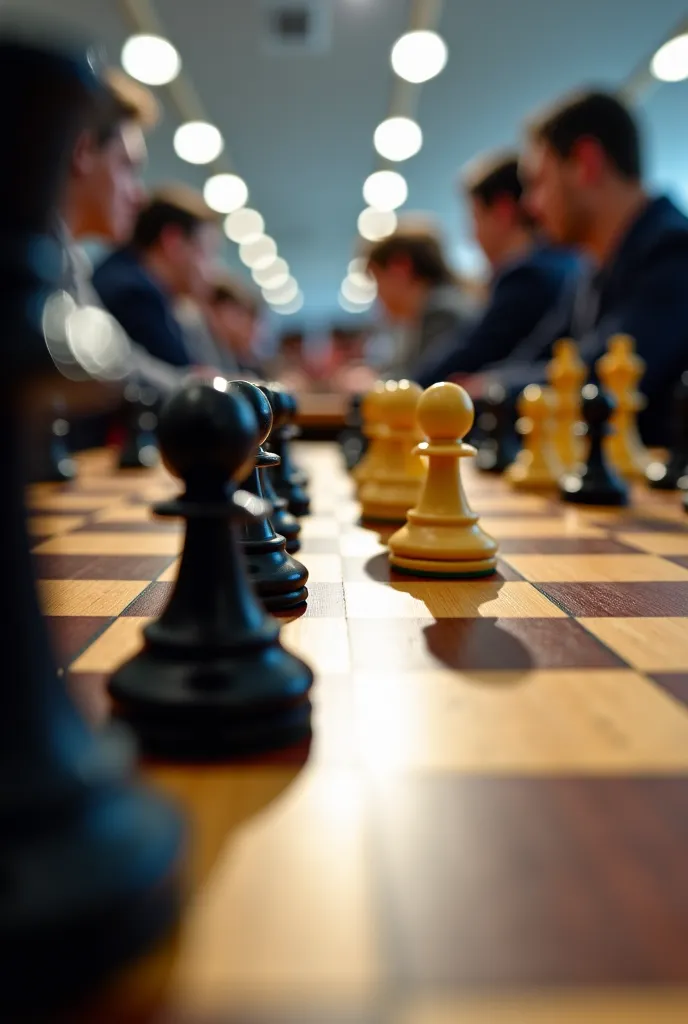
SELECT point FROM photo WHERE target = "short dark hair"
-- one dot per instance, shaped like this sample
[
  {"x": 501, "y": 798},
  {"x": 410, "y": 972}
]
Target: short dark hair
[
  {"x": 496, "y": 176},
  {"x": 176, "y": 206},
  {"x": 120, "y": 99},
  {"x": 595, "y": 115},
  {"x": 421, "y": 248}
]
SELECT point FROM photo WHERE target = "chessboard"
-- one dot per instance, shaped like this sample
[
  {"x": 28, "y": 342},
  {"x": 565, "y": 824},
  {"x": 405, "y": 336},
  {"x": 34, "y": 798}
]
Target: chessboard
[{"x": 491, "y": 822}]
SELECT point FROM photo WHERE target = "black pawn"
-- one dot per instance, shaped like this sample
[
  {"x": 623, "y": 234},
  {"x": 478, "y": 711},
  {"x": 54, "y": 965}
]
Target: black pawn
[
  {"x": 280, "y": 580},
  {"x": 289, "y": 481},
  {"x": 90, "y": 864},
  {"x": 498, "y": 443},
  {"x": 596, "y": 483},
  {"x": 139, "y": 447},
  {"x": 674, "y": 474},
  {"x": 283, "y": 522},
  {"x": 213, "y": 680}
]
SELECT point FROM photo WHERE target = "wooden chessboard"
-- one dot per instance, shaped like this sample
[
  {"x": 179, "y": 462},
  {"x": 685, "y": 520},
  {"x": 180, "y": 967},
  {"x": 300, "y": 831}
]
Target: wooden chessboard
[{"x": 491, "y": 824}]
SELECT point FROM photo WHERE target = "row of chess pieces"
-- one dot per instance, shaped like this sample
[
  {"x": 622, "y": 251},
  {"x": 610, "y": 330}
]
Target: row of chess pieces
[
  {"x": 575, "y": 437},
  {"x": 583, "y": 438}
]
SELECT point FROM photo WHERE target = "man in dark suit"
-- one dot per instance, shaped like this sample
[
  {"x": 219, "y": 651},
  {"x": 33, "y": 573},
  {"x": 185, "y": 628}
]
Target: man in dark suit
[
  {"x": 583, "y": 184},
  {"x": 528, "y": 276},
  {"x": 171, "y": 256}
]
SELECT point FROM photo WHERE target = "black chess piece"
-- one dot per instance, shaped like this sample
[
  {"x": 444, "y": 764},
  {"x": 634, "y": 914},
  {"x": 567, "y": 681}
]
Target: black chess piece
[
  {"x": 289, "y": 481},
  {"x": 283, "y": 521},
  {"x": 497, "y": 443},
  {"x": 213, "y": 680},
  {"x": 673, "y": 474},
  {"x": 139, "y": 447},
  {"x": 90, "y": 863},
  {"x": 279, "y": 579},
  {"x": 49, "y": 459},
  {"x": 595, "y": 483}
]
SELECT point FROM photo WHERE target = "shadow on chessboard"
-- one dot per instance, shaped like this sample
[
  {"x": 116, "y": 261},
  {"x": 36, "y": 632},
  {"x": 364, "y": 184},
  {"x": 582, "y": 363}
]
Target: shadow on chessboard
[{"x": 453, "y": 640}]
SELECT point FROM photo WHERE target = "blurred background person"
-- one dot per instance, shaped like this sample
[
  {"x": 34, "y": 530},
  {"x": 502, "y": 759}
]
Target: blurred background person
[
  {"x": 419, "y": 294},
  {"x": 233, "y": 313},
  {"x": 528, "y": 275},
  {"x": 583, "y": 179},
  {"x": 172, "y": 256}
]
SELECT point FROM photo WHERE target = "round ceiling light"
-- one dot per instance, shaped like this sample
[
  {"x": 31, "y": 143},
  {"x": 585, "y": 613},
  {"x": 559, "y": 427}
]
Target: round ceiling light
[
  {"x": 289, "y": 308},
  {"x": 373, "y": 225},
  {"x": 225, "y": 192},
  {"x": 244, "y": 226},
  {"x": 353, "y": 307},
  {"x": 259, "y": 254},
  {"x": 670, "y": 63},
  {"x": 385, "y": 190},
  {"x": 419, "y": 56},
  {"x": 360, "y": 296},
  {"x": 151, "y": 59},
  {"x": 284, "y": 295},
  {"x": 198, "y": 142},
  {"x": 398, "y": 138},
  {"x": 274, "y": 276}
]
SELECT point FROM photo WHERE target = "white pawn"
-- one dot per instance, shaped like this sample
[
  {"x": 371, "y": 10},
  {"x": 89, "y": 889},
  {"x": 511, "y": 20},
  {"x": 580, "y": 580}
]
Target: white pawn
[
  {"x": 537, "y": 465},
  {"x": 442, "y": 537},
  {"x": 620, "y": 371},
  {"x": 388, "y": 494},
  {"x": 374, "y": 430},
  {"x": 566, "y": 374}
]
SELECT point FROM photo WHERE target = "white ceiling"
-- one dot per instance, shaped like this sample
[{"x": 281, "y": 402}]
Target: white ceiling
[{"x": 299, "y": 128}]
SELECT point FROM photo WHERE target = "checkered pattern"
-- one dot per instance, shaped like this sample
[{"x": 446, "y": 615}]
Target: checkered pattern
[{"x": 527, "y": 722}]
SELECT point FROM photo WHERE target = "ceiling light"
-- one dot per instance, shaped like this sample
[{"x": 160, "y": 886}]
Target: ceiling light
[
  {"x": 289, "y": 308},
  {"x": 244, "y": 226},
  {"x": 151, "y": 59},
  {"x": 198, "y": 142},
  {"x": 376, "y": 224},
  {"x": 354, "y": 293},
  {"x": 259, "y": 254},
  {"x": 273, "y": 276},
  {"x": 363, "y": 283},
  {"x": 284, "y": 295},
  {"x": 385, "y": 190},
  {"x": 353, "y": 307},
  {"x": 358, "y": 266},
  {"x": 419, "y": 56},
  {"x": 398, "y": 138},
  {"x": 225, "y": 192},
  {"x": 670, "y": 63}
]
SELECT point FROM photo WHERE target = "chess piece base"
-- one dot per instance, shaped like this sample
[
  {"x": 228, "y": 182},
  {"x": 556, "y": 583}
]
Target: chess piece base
[
  {"x": 615, "y": 495},
  {"x": 464, "y": 569},
  {"x": 86, "y": 898},
  {"x": 279, "y": 579},
  {"x": 217, "y": 709},
  {"x": 297, "y": 500}
]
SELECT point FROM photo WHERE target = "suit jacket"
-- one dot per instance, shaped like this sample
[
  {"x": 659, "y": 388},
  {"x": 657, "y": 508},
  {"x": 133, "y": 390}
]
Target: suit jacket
[
  {"x": 642, "y": 291},
  {"x": 522, "y": 293},
  {"x": 142, "y": 307}
]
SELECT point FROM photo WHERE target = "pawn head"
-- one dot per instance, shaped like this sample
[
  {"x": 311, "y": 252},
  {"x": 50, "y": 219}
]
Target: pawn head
[
  {"x": 445, "y": 412},
  {"x": 400, "y": 405},
  {"x": 258, "y": 402},
  {"x": 279, "y": 400},
  {"x": 372, "y": 404},
  {"x": 597, "y": 405},
  {"x": 206, "y": 431}
]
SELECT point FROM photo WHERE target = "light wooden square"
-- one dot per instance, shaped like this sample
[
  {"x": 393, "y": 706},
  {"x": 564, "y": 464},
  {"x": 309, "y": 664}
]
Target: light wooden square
[
  {"x": 322, "y": 643},
  {"x": 657, "y": 543},
  {"x": 88, "y": 597},
  {"x": 55, "y": 525},
  {"x": 440, "y": 599},
  {"x": 544, "y": 721},
  {"x": 596, "y": 568},
  {"x": 105, "y": 543},
  {"x": 514, "y": 526},
  {"x": 603, "y": 1006},
  {"x": 318, "y": 527},
  {"x": 648, "y": 644}
]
